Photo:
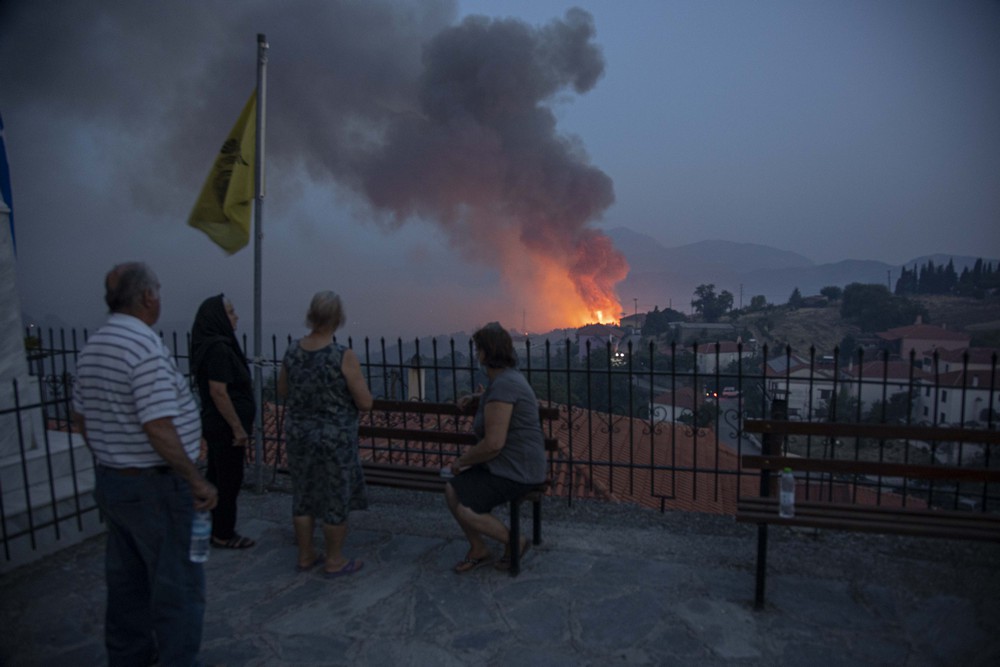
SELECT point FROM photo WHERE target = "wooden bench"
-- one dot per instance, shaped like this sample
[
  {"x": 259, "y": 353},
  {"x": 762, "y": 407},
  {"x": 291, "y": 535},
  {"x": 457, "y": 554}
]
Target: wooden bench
[
  {"x": 439, "y": 430},
  {"x": 921, "y": 520}
]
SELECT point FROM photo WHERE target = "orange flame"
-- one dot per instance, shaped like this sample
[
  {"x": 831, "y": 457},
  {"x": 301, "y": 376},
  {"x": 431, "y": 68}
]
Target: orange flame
[{"x": 555, "y": 296}]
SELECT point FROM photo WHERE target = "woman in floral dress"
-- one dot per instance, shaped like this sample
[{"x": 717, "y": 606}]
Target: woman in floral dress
[{"x": 324, "y": 390}]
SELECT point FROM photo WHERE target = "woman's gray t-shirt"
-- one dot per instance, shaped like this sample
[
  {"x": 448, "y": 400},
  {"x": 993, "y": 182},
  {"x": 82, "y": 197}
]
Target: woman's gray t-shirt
[{"x": 522, "y": 458}]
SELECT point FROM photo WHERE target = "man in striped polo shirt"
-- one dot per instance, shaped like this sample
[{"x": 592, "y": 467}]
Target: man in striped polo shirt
[{"x": 138, "y": 416}]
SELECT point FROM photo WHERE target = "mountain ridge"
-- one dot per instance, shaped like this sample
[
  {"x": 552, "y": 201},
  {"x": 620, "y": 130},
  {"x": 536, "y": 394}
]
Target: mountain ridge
[{"x": 667, "y": 276}]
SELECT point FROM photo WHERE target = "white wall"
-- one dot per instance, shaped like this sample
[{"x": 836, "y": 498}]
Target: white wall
[{"x": 13, "y": 362}]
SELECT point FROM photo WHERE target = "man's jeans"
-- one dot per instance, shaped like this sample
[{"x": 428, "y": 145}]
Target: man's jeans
[{"x": 156, "y": 595}]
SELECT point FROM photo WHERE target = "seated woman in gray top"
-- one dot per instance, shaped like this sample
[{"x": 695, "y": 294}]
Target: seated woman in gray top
[{"x": 509, "y": 458}]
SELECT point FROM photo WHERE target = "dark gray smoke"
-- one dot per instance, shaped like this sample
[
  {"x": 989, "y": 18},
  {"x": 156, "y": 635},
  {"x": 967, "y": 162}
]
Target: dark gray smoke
[
  {"x": 482, "y": 149},
  {"x": 389, "y": 99}
]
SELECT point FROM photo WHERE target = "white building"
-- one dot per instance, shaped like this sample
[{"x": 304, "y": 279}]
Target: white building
[
  {"x": 957, "y": 398},
  {"x": 717, "y": 357},
  {"x": 807, "y": 389},
  {"x": 880, "y": 380}
]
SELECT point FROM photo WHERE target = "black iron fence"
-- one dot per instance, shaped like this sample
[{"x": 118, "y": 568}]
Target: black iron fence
[{"x": 654, "y": 424}]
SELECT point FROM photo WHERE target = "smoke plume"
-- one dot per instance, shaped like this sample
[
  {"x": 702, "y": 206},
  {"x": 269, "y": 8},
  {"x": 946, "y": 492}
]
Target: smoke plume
[
  {"x": 481, "y": 152},
  {"x": 421, "y": 117}
]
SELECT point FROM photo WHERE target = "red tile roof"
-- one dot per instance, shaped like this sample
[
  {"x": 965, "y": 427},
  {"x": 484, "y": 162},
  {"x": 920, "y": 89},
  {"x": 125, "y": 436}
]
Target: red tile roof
[
  {"x": 668, "y": 466},
  {"x": 923, "y": 332},
  {"x": 893, "y": 370},
  {"x": 984, "y": 380},
  {"x": 977, "y": 355}
]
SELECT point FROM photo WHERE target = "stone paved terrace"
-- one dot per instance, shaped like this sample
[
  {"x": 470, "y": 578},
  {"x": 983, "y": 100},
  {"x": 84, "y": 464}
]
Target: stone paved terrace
[{"x": 610, "y": 585}]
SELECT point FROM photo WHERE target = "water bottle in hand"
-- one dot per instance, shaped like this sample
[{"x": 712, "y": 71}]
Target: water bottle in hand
[
  {"x": 201, "y": 535},
  {"x": 786, "y": 494}
]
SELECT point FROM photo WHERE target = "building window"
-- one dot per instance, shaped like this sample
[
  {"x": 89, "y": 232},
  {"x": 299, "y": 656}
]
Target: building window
[
  {"x": 927, "y": 392},
  {"x": 944, "y": 396},
  {"x": 824, "y": 394},
  {"x": 926, "y": 411}
]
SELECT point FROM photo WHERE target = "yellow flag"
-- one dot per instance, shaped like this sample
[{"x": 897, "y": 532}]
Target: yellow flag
[{"x": 224, "y": 206}]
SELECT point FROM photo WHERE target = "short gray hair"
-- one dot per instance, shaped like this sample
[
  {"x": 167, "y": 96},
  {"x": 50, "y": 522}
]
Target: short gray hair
[
  {"x": 126, "y": 284},
  {"x": 325, "y": 310}
]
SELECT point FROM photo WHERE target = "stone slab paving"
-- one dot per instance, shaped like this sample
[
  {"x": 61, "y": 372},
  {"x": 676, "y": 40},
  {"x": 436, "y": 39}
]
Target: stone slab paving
[{"x": 610, "y": 585}]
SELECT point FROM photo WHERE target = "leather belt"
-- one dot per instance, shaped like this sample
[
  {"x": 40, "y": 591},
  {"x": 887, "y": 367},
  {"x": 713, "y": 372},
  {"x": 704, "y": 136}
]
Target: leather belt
[{"x": 138, "y": 472}]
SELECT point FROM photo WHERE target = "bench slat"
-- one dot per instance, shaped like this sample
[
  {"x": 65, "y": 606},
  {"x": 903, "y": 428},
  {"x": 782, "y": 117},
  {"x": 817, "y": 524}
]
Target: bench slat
[
  {"x": 423, "y": 479},
  {"x": 904, "y": 514},
  {"x": 545, "y": 413},
  {"x": 907, "y": 521},
  {"x": 417, "y": 407},
  {"x": 417, "y": 435},
  {"x": 878, "y": 468},
  {"x": 878, "y": 431}
]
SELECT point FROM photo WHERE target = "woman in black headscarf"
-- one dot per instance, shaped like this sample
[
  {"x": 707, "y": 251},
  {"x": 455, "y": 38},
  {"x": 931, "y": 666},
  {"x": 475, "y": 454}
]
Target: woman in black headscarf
[{"x": 227, "y": 410}]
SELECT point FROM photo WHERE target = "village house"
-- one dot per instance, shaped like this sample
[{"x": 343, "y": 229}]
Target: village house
[
  {"x": 880, "y": 380},
  {"x": 977, "y": 358},
  {"x": 599, "y": 337},
  {"x": 703, "y": 332},
  {"x": 808, "y": 390},
  {"x": 635, "y": 321},
  {"x": 923, "y": 339},
  {"x": 959, "y": 397},
  {"x": 717, "y": 357}
]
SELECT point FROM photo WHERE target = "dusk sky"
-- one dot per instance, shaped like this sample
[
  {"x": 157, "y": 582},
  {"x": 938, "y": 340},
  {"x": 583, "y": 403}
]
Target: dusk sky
[{"x": 441, "y": 171}]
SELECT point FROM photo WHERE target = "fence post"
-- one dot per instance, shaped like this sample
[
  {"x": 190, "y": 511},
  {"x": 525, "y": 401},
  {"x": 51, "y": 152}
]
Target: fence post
[{"x": 779, "y": 411}]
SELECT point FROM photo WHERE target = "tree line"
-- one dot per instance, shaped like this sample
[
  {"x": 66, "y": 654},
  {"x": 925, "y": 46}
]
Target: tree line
[{"x": 929, "y": 278}]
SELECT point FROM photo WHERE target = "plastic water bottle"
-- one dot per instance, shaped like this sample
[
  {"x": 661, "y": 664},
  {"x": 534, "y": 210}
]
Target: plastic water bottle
[
  {"x": 786, "y": 495},
  {"x": 201, "y": 534}
]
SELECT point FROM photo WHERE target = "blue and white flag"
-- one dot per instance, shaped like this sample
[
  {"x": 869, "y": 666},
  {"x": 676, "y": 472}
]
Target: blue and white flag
[{"x": 5, "y": 184}]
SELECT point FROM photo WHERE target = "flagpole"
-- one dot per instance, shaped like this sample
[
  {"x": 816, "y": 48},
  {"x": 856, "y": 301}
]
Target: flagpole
[{"x": 262, "y": 47}]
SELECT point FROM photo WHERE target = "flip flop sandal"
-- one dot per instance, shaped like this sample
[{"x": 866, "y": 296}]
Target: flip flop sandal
[
  {"x": 468, "y": 564},
  {"x": 352, "y": 566},
  {"x": 234, "y": 542}
]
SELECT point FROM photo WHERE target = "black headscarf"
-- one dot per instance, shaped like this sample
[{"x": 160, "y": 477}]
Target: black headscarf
[{"x": 212, "y": 327}]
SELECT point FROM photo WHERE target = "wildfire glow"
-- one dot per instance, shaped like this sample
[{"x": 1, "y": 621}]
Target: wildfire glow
[{"x": 546, "y": 289}]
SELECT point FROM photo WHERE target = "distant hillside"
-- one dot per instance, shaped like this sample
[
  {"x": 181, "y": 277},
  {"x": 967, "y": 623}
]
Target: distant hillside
[
  {"x": 662, "y": 276},
  {"x": 824, "y": 329}
]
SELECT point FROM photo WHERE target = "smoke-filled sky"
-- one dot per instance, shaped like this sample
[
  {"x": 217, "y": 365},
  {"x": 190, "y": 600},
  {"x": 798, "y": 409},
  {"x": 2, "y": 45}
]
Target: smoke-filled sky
[{"x": 442, "y": 164}]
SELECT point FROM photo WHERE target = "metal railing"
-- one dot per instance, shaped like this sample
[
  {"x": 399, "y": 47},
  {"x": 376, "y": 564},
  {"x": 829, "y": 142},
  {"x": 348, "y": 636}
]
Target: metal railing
[{"x": 658, "y": 425}]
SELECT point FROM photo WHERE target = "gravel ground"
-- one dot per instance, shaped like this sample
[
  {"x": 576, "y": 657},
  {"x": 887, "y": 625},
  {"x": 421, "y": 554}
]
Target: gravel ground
[{"x": 921, "y": 565}]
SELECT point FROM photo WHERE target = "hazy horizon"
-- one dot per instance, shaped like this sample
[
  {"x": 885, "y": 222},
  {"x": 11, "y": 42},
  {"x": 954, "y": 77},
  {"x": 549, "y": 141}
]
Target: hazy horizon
[
  {"x": 445, "y": 163},
  {"x": 295, "y": 325}
]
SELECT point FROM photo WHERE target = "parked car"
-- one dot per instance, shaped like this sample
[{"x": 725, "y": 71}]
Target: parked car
[{"x": 730, "y": 392}]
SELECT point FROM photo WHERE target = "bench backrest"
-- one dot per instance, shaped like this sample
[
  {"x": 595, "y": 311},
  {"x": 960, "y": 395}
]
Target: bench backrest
[
  {"x": 876, "y": 431},
  {"x": 875, "y": 468},
  {"x": 431, "y": 423},
  {"x": 776, "y": 427}
]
